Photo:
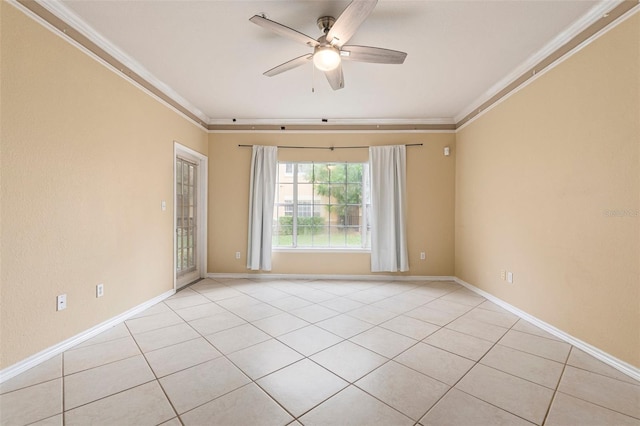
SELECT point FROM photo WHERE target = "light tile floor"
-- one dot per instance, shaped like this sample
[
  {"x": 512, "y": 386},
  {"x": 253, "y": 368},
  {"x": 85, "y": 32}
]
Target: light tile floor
[{"x": 242, "y": 352}]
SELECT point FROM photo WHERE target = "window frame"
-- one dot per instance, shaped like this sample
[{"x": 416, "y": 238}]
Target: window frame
[{"x": 364, "y": 206}]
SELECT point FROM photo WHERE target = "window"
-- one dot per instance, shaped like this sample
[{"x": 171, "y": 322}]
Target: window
[
  {"x": 288, "y": 208},
  {"x": 322, "y": 205},
  {"x": 305, "y": 209}
]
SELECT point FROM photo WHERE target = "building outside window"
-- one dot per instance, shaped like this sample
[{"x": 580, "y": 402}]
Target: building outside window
[{"x": 322, "y": 205}]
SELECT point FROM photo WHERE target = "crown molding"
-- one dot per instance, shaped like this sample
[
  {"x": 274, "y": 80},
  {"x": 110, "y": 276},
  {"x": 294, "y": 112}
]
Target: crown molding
[
  {"x": 332, "y": 124},
  {"x": 332, "y": 121},
  {"x": 335, "y": 130},
  {"x": 601, "y": 16},
  {"x": 561, "y": 39},
  {"x": 59, "y": 10},
  {"x": 362, "y": 128}
]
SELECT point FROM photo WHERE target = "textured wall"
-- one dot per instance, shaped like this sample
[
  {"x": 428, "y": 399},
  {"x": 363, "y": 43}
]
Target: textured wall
[
  {"x": 547, "y": 186},
  {"x": 86, "y": 160},
  {"x": 430, "y": 194}
]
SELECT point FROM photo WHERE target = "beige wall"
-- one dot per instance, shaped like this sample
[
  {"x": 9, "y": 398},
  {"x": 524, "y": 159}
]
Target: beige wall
[
  {"x": 86, "y": 160},
  {"x": 430, "y": 188},
  {"x": 536, "y": 178}
]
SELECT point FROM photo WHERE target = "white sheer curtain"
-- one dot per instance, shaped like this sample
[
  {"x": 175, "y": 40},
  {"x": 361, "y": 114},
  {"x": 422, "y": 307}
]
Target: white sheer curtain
[
  {"x": 264, "y": 166},
  {"x": 387, "y": 165}
]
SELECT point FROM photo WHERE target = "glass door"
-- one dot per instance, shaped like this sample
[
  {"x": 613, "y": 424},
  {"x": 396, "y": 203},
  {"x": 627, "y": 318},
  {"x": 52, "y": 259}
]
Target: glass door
[{"x": 186, "y": 222}]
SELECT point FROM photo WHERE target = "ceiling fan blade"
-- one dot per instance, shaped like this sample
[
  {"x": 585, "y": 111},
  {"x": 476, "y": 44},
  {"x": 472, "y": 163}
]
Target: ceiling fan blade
[
  {"x": 349, "y": 21},
  {"x": 335, "y": 77},
  {"x": 372, "y": 54},
  {"x": 300, "y": 60},
  {"x": 283, "y": 30}
]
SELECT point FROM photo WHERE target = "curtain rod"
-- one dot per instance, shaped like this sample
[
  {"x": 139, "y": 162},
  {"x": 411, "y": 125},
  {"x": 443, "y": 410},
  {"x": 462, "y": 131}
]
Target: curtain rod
[{"x": 325, "y": 147}]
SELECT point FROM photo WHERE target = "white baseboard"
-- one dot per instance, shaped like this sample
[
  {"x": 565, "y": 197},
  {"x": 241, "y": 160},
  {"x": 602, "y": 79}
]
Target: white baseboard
[
  {"x": 267, "y": 276},
  {"x": 32, "y": 361},
  {"x": 623, "y": 367},
  {"x": 54, "y": 350}
]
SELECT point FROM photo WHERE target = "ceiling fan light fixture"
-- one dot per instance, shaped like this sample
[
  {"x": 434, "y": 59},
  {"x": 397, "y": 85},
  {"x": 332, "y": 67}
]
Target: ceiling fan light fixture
[
  {"x": 326, "y": 58},
  {"x": 328, "y": 48}
]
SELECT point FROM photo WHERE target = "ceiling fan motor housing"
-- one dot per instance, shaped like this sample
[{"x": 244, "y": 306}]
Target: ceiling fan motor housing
[{"x": 325, "y": 23}]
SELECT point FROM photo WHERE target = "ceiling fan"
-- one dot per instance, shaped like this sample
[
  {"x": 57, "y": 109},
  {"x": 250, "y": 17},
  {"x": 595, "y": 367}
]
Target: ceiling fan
[{"x": 329, "y": 49}]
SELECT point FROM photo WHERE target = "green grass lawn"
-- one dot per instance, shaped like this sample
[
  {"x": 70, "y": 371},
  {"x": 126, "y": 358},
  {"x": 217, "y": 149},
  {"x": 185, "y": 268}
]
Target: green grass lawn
[{"x": 338, "y": 238}]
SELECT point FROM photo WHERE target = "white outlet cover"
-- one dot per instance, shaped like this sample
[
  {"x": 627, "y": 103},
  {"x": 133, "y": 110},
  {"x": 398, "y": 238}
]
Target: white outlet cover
[
  {"x": 61, "y": 302},
  {"x": 510, "y": 277}
]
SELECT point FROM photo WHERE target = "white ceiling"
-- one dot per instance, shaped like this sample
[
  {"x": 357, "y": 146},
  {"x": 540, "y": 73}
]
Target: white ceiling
[{"x": 208, "y": 54}]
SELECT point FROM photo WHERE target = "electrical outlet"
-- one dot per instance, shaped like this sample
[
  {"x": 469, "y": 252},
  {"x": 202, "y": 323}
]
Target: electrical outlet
[
  {"x": 422, "y": 255},
  {"x": 100, "y": 290},
  {"x": 61, "y": 302},
  {"x": 237, "y": 255},
  {"x": 510, "y": 277},
  {"x": 503, "y": 274}
]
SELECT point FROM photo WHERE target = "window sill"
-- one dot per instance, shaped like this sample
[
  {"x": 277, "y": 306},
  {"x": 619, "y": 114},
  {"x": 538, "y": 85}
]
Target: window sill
[{"x": 319, "y": 250}]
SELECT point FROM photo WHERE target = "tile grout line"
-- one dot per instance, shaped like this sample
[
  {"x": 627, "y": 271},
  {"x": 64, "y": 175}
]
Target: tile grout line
[
  {"x": 222, "y": 355},
  {"x": 418, "y": 372},
  {"x": 532, "y": 354},
  {"x": 637, "y": 384},
  {"x": 154, "y": 374},
  {"x": 29, "y": 386},
  {"x": 88, "y": 344},
  {"x": 296, "y": 418},
  {"x": 582, "y": 399},
  {"x": 388, "y": 359},
  {"x": 102, "y": 365},
  {"x": 603, "y": 375},
  {"x": 305, "y": 357},
  {"x": 467, "y": 372},
  {"x": 110, "y": 395},
  {"x": 251, "y": 380},
  {"x": 47, "y": 381},
  {"x": 555, "y": 391}
]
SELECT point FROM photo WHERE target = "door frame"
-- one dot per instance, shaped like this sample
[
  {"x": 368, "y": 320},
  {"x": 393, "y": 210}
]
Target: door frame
[{"x": 203, "y": 163}]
